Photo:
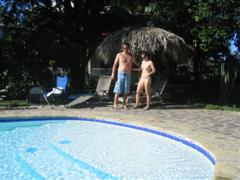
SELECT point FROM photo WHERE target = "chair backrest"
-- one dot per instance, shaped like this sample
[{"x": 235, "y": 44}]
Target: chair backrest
[
  {"x": 62, "y": 82},
  {"x": 159, "y": 85},
  {"x": 36, "y": 90},
  {"x": 103, "y": 86}
]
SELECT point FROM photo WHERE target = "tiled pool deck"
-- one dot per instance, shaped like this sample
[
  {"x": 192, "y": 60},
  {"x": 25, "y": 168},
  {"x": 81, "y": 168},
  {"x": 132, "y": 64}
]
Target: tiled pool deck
[{"x": 216, "y": 131}]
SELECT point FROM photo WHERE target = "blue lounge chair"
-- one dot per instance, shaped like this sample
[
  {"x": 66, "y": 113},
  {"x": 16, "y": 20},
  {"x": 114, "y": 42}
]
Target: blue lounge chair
[{"x": 58, "y": 92}]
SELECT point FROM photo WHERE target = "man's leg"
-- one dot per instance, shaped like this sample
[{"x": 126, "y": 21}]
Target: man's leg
[
  {"x": 124, "y": 101},
  {"x": 117, "y": 91},
  {"x": 127, "y": 83},
  {"x": 115, "y": 104}
]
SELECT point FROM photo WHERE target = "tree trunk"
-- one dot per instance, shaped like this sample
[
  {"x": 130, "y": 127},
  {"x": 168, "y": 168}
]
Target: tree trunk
[
  {"x": 227, "y": 81},
  {"x": 77, "y": 77}
]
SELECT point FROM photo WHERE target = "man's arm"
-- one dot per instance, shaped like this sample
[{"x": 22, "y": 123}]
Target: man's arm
[{"x": 116, "y": 61}]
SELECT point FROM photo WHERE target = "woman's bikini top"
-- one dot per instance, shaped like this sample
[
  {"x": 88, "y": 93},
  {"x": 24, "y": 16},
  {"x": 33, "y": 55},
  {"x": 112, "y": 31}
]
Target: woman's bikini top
[{"x": 146, "y": 66}]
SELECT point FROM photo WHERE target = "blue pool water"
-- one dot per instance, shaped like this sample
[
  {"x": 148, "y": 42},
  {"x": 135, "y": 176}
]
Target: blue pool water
[{"x": 76, "y": 148}]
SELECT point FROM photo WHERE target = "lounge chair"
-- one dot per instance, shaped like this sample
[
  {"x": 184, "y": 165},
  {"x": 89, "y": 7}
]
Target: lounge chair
[
  {"x": 55, "y": 95},
  {"x": 157, "y": 90},
  {"x": 58, "y": 92},
  {"x": 102, "y": 91},
  {"x": 37, "y": 95}
]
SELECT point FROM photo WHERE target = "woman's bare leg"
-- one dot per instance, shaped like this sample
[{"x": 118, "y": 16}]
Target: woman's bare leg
[
  {"x": 138, "y": 92},
  {"x": 147, "y": 85}
]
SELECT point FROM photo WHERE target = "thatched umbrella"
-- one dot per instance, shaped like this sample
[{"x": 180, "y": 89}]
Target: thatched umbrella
[{"x": 163, "y": 46}]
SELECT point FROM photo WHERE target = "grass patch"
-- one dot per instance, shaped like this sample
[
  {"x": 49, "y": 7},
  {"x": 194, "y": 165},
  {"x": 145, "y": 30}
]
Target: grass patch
[
  {"x": 13, "y": 103},
  {"x": 222, "y": 107}
]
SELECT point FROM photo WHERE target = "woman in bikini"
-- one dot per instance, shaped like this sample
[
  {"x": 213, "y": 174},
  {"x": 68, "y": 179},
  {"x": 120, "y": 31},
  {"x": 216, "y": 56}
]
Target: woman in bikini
[{"x": 147, "y": 68}]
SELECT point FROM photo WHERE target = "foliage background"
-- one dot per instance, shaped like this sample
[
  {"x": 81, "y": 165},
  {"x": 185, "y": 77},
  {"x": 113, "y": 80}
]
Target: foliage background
[{"x": 38, "y": 34}]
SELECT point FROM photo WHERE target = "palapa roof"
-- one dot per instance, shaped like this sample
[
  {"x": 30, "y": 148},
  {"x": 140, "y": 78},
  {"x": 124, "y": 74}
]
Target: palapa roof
[{"x": 161, "y": 44}]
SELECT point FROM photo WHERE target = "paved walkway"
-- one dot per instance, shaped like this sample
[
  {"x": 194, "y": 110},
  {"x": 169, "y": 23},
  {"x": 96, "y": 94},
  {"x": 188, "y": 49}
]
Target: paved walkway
[{"x": 216, "y": 131}]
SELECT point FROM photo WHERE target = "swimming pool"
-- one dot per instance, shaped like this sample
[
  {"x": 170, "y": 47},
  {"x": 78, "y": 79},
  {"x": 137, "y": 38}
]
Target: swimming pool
[{"x": 80, "y": 148}]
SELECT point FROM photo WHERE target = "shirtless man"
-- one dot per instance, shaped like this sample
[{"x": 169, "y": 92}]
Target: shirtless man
[
  {"x": 124, "y": 61},
  {"x": 147, "y": 68}
]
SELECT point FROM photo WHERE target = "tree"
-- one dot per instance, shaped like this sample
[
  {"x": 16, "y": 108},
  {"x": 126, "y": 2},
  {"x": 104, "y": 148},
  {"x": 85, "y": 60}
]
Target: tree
[
  {"x": 45, "y": 33},
  {"x": 209, "y": 26},
  {"x": 217, "y": 22}
]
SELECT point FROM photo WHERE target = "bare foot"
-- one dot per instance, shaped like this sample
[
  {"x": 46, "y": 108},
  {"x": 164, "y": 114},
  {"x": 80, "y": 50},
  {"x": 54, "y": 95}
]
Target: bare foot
[
  {"x": 115, "y": 107},
  {"x": 136, "y": 106},
  {"x": 146, "y": 108},
  {"x": 125, "y": 107}
]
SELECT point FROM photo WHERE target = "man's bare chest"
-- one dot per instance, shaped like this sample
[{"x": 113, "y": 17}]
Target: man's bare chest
[{"x": 125, "y": 59}]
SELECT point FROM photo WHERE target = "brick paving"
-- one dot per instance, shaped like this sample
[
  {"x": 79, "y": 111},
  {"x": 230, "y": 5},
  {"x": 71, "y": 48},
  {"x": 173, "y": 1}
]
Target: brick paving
[{"x": 216, "y": 131}]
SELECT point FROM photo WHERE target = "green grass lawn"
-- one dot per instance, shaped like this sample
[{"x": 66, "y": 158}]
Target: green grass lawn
[
  {"x": 222, "y": 107},
  {"x": 13, "y": 103}
]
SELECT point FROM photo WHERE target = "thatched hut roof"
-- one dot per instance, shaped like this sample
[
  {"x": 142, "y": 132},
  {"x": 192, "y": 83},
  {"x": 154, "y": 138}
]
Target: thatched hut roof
[{"x": 161, "y": 44}]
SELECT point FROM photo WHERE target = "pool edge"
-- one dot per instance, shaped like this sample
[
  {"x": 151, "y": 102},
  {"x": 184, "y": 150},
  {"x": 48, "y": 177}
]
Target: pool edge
[{"x": 177, "y": 138}]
